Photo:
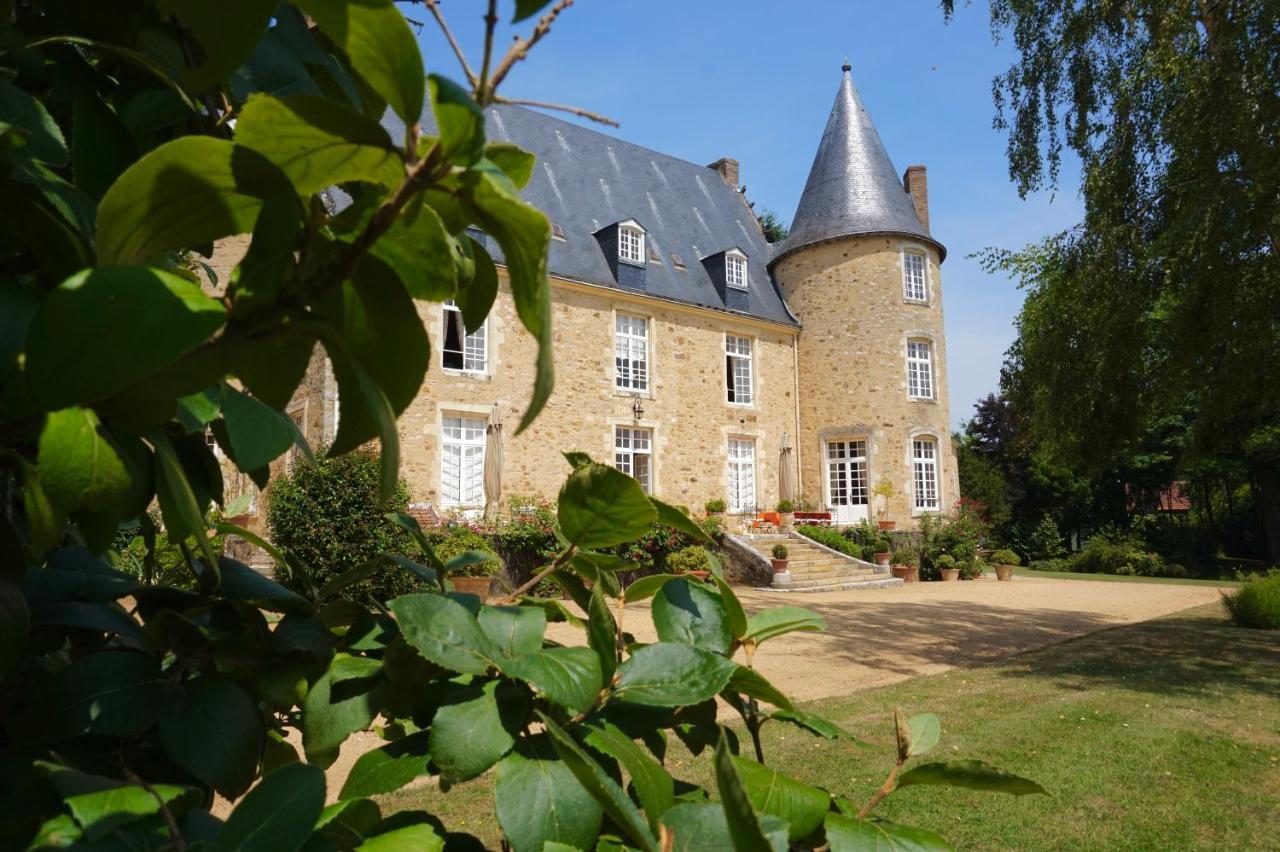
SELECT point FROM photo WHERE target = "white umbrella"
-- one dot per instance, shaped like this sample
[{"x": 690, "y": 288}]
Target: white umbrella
[
  {"x": 493, "y": 464},
  {"x": 786, "y": 477}
]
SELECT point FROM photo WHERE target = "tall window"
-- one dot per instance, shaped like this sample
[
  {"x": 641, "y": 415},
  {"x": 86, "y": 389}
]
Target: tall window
[
  {"x": 924, "y": 458},
  {"x": 462, "y": 351},
  {"x": 742, "y": 474},
  {"x": 631, "y": 353},
  {"x": 633, "y": 454},
  {"x": 737, "y": 368},
  {"x": 630, "y": 244},
  {"x": 919, "y": 369},
  {"x": 847, "y": 473},
  {"x": 462, "y": 461},
  {"x": 913, "y": 280},
  {"x": 735, "y": 271}
]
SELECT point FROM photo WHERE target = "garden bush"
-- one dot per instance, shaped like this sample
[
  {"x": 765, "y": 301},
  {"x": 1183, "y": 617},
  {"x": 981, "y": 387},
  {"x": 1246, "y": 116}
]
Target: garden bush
[
  {"x": 1045, "y": 540},
  {"x": 832, "y": 538},
  {"x": 1256, "y": 604},
  {"x": 944, "y": 562},
  {"x": 454, "y": 539},
  {"x": 1005, "y": 557},
  {"x": 687, "y": 559}
]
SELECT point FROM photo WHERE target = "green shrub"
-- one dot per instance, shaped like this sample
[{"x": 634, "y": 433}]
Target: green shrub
[
  {"x": 169, "y": 566},
  {"x": 833, "y": 539},
  {"x": 1114, "y": 552},
  {"x": 713, "y": 525},
  {"x": 326, "y": 511},
  {"x": 786, "y": 507},
  {"x": 1256, "y": 604},
  {"x": 1046, "y": 539},
  {"x": 688, "y": 559},
  {"x": 944, "y": 562},
  {"x": 715, "y": 506},
  {"x": 779, "y": 551},
  {"x": 971, "y": 570},
  {"x": 455, "y": 539},
  {"x": 1005, "y": 557},
  {"x": 1058, "y": 564}
]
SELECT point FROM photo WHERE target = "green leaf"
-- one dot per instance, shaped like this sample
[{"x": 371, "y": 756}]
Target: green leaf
[
  {"x": 100, "y": 805},
  {"x": 240, "y": 582},
  {"x": 653, "y": 784},
  {"x": 79, "y": 464},
  {"x": 101, "y": 147},
  {"x": 257, "y": 434},
  {"x": 420, "y": 837},
  {"x": 735, "y": 617},
  {"x": 528, "y": 8},
  {"x": 475, "y": 297},
  {"x": 421, "y": 253},
  {"x": 703, "y": 827},
  {"x": 444, "y": 632},
  {"x": 15, "y": 625},
  {"x": 43, "y": 140},
  {"x": 266, "y": 267},
  {"x": 137, "y": 58},
  {"x": 690, "y": 613},
  {"x": 318, "y": 142},
  {"x": 846, "y": 834},
  {"x": 974, "y": 774},
  {"x": 469, "y": 558},
  {"x": 750, "y": 682},
  {"x": 344, "y": 700},
  {"x": 568, "y": 676},
  {"x": 591, "y": 775},
  {"x": 669, "y": 674},
  {"x": 347, "y": 823},
  {"x": 515, "y": 162},
  {"x": 815, "y": 724},
  {"x": 138, "y": 319},
  {"x": 602, "y": 633},
  {"x": 188, "y": 192},
  {"x": 538, "y": 799},
  {"x": 744, "y": 826},
  {"x": 602, "y": 507},
  {"x": 377, "y": 39},
  {"x": 277, "y": 752},
  {"x": 924, "y": 731},
  {"x": 33, "y": 221},
  {"x": 279, "y": 814},
  {"x": 459, "y": 119},
  {"x": 781, "y": 620},
  {"x": 670, "y": 516},
  {"x": 387, "y": 769},
  {"x": 212, "y": 729},
  {"x": 106, "y": 692},
  {"x": 475, "y": 727},
  {"x": 225, "y": 40},
  {"x": 525, "y": 236},
  {"x": 647, "y": 587},
  {"x": 801, "y": 806},
  {"x": 514, "y": 630}
]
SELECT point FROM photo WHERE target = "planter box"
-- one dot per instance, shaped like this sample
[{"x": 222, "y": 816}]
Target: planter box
[
  {"x": 1004, "y": 572},
  {"x": 887, "y": 525},
  {"x": 882, "y": 559},
  {"x": 950, "y": 575},
  {"x": 788, "y": 519},
  {"x": 906, "y": 573}
]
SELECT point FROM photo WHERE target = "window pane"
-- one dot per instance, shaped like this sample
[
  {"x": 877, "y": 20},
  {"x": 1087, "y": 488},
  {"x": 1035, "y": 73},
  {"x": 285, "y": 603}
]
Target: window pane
[
  {"x": 462, "y": 461},
  {"x": 913, "y": 276}
]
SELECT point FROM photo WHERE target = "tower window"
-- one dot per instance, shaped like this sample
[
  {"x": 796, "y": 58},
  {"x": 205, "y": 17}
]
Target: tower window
[
  {"x": 924, "y": 463},
  {"x": 913, "y": 277},
  {"x": 461, "y": 351},
  {"x": 737, "y": 369},
  {"x": 735, "y": 271},
  {"x": 630, "y": 244},
  {"x": 919, "y": 369},
  {"x": 633, "y": 454},
  {"x": 631, "y": 353}
]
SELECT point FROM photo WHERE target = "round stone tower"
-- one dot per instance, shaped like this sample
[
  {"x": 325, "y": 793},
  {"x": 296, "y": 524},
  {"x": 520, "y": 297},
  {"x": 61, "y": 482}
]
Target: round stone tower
[{"x": 861, "y": 272}]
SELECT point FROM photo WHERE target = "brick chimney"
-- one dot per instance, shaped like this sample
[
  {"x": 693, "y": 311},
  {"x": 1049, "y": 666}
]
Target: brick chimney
[
  {"x": 916, "y": 182},
  {"x": 727, "y": 168}
]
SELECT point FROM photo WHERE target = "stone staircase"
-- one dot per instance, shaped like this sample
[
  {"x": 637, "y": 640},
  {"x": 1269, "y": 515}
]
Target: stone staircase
[{"x": 814, "y": 568}]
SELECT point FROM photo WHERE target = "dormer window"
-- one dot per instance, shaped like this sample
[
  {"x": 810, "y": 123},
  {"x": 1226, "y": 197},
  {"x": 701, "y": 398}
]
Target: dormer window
[
  {"x": 735, "y": 270},
  {"x": 631, "y": 243}
]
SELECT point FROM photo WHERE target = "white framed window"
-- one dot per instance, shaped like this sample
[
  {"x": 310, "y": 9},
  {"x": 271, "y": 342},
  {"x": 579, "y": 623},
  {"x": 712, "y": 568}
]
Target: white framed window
[
  {"x": 914, "y": 286},
  {"x": 742, "y": 475},
  {"x": 630, "y": 244},
  {"x": 630, "y": 353},
  {"x": 924, "y": 464},
  {"x": 461, "y": 460},
  {"x": 737, "y": 369},
  {"x": 847, "y": 473},
  {"x": 735, "y": 270},
  {"x": 919, "y": 369},
  {"x": 460, "y": 351},
  {"x": 633, "y": 454}
]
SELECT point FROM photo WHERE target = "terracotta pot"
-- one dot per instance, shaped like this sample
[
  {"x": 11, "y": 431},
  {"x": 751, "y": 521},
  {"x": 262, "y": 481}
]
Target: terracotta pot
[
  {"x": 882, "y": 559},
  {"x": 1004, "y": 572},
  {"x": 780, "y": 565},
  {"x": 699, "y": 574},
  {"x": 473, "y": 586},
  {"x": 788, "y": 519},
  {"x": 887, "y": 525},
  {"x": 950, "y": 575},
  {"x": 906, "y": 573}
]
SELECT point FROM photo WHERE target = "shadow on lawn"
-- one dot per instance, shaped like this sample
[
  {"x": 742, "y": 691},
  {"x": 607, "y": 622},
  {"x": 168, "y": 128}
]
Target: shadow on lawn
[{"x": 1191, "y": 653}]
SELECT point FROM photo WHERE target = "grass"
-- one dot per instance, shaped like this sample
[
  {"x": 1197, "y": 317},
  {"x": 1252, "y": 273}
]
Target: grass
[
  {"x": 1159, "y": 735},
  {"x": 1120, "y": 578}
]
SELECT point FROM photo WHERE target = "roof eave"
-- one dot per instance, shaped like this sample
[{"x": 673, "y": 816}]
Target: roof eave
[{"x": 791, "y": 249}]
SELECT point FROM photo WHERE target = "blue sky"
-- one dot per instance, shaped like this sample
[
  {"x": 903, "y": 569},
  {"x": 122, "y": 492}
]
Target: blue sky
[{"x": 754, "y": 80}]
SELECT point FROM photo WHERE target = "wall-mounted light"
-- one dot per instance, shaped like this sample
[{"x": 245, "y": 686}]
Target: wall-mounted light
[{"x": 637, "y": 408}]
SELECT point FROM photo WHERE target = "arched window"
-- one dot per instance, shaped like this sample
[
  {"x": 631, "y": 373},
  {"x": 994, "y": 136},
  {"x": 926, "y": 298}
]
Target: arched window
[{"x": 925, "y": 496}]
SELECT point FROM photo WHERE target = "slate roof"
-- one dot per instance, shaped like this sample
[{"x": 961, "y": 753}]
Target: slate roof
[
  {"x": 585, "y": 180},
  {"x": 853, "y": 187}
]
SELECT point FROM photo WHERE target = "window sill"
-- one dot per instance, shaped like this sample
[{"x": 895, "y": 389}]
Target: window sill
[
  {"x": 629, "y": 262},
  {"x": 928, "y": 400},
  {"x": 919, "y": 303},
  {"x": 751, "y": 406},
  {"x": 919, "y": 513},
  {"x": 466, "y": 374},
  {"x": 627, "y": 393}
]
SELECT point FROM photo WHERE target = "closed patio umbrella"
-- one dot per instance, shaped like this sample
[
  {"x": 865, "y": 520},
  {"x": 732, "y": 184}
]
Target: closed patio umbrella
[
  {"x": 786, "y": 474},
  {"x": 493, "y": 464}
]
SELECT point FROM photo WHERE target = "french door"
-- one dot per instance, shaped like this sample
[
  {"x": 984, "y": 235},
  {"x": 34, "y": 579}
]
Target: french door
[{"x": 846, "y": 461}]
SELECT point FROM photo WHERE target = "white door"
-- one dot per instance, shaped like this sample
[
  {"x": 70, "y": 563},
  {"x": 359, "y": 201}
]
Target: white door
[{"x": 847, "y": 481}]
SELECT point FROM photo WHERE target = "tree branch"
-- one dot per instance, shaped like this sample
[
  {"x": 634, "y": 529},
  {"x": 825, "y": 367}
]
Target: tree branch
[
  {"x": 434, "y": 7},
  {"x": 519, "y": 50},
  {"x": 602, "y": 119},
  {"x": 490, "y": 24},
  {"x": 541, "y": 575}
]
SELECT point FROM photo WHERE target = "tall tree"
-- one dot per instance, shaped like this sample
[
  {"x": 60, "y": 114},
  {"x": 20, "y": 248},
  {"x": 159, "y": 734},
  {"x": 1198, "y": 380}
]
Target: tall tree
[{"x": 1164, "y": 299}]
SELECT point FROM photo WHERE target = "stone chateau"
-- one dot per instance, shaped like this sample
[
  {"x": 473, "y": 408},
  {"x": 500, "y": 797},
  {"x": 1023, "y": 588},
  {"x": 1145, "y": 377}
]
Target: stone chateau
[{"x": 689, "y": 351}]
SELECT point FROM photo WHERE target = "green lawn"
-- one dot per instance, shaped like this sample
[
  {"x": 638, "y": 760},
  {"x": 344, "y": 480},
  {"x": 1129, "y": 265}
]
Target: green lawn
[
  {"x": 1117, "y": 578},
  {"x": 1160, "y": 735}
]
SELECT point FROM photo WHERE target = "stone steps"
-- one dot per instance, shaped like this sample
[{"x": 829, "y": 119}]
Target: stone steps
[{"x": 815, "y": 569}]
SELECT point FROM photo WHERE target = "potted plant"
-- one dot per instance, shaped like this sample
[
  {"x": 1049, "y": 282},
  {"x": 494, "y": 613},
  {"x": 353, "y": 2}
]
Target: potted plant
[
  {"x": 1004, "y": 561},
  {"x": 884, "y": 492},
  {"x": 692, "y": 561},
  {"x": 946, "y": 565},
  {"x": 779, "y": 559},
  {"x": 787, "y": 510},
  {"x": 906, "y": 564},
  {"x": 882, "y": 549},
  {"x": 716, "y": 506}
]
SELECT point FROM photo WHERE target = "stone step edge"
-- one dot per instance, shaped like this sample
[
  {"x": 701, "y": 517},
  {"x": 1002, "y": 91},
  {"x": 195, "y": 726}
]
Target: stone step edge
[{"x": 852, "y": 585}]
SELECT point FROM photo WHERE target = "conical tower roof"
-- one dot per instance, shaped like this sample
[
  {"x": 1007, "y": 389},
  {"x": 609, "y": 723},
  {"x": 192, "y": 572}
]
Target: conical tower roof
[{"x": 853, "y": 187}]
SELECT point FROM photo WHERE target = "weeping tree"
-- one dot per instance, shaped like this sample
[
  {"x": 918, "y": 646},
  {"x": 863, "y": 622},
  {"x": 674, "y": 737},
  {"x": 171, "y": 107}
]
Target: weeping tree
[{"x": 1164, "y": 299}]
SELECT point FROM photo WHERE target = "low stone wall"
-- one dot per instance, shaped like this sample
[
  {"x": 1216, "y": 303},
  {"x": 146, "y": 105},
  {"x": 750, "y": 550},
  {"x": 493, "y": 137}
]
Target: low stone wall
[{"x": 743, "y": 564}]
